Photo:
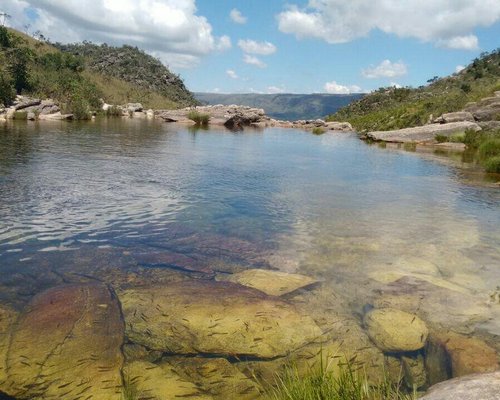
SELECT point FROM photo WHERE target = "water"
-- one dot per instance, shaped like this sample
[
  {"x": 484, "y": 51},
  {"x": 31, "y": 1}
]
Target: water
[{"x": 129, "y": 202}]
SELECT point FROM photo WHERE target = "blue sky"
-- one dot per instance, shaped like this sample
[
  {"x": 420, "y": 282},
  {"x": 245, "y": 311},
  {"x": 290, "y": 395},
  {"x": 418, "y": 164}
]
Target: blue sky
[{"x": 298, "y": 46}]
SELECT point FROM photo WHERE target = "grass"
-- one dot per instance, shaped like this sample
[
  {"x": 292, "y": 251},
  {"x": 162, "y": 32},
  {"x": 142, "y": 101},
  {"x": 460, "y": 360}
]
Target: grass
[
  {"x": 318, "y": 131},
  {"x": 441, "y": 138},
  {"x": 199, "y": 118},
  {"x": 324, "y": 384}
]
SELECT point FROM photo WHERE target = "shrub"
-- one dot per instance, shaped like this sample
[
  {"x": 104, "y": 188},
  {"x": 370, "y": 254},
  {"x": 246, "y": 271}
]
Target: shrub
[
  {"x": 20, "y": 115},
  {"x": 318, "y": 131},
  {"x": 441, "y": 138},
  {"x": 489, "y": 148},
  {"x": 457, "y": 138},
  {"x": 114, "y": 111},
  {"x": 199, "y": 118},
  {"x": 7, "y": 93},
  {"x": 473, "y": 138},
  {"x": 492, "y": 164}
]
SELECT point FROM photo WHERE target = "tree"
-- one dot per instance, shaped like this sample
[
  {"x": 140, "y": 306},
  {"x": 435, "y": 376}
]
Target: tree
[{"x": 4, "y": 16}]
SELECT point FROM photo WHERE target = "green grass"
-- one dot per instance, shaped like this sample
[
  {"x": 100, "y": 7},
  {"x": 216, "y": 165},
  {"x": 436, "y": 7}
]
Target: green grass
[
  {"x": 199, "y": 118},
  {"x": 441, "y": 138},
  {"x": 324, "y": 384},
  {"x": 318, "y": 131}
]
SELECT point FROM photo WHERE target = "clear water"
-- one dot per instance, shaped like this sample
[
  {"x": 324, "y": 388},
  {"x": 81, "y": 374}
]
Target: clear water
[{"x": 92, "y": 199}]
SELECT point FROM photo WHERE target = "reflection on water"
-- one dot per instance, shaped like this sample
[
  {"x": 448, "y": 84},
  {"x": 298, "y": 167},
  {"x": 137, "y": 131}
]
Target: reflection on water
[{"x": 140, "y": 204}]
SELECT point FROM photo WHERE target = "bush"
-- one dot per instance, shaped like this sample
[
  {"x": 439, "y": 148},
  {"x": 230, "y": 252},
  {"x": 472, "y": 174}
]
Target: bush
[
  {"x": 114, "y": 111},
  {"x": 492, "y": 164},
  {"x": 489, "y": 148},
  {"x": 441, "y": 138},
  {"x": 20, "y": 115},
  {"x": 7, "y": 93},
  {"x": 318, "y": 131},
  {"x": 199, "y": 118}
]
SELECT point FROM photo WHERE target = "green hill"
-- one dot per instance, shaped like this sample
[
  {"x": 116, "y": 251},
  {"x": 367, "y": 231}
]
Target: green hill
[
  {"x": 285, "y": 106},
  {"x": 394, "y": 108},
  {"x": 36, "y": 68}
]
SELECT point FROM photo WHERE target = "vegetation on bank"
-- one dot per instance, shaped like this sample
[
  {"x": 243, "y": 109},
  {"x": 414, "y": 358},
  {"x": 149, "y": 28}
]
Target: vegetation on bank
[
  {"x": 395, "y": 108},
  {"x": 199, "y": 118},
  {"x": 36, "y": 68},
  {"x": 323, "y": 384}
]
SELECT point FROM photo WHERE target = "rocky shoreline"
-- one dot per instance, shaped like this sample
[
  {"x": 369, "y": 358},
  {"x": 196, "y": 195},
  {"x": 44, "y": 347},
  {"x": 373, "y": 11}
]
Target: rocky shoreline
[{"x": 233, "y": 117}]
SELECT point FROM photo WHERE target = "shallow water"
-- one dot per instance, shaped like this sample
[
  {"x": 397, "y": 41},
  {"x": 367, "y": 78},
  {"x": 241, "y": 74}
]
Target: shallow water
[{"x": 132, "y": 202}]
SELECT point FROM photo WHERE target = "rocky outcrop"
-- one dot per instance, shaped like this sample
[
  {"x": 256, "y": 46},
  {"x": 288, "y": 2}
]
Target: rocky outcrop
[
  {"x": 422, "y": 134},
  {"x": 459, "y": 116},
  {"x": 66, "y": 344},
  {"x": 214, "y": 318},
  {"x": 32, "y": 109},
  {"x": 472, "y": 387},
  {"x": 396, "y": 331},
  {"x": 487, "y": 109},
  {"x": 274, "y": 283}
]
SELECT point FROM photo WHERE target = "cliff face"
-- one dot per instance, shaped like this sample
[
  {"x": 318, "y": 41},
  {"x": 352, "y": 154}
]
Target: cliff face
[{"x": 134, "y": 66}]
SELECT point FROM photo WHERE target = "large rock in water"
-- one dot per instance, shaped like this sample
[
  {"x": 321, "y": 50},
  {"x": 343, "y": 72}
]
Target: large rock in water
[
  {"x": 214, "y": 318},
  {"x": 274, "y": 283},
  {"x": 395, "y": 330},
  {"x": 471, "y": 387},
  {"x": 421, "y": 134},
  {"x": 66, "y": 345}
]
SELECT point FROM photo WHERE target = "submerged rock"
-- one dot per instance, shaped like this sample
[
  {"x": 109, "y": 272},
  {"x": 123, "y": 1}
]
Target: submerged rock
[
  {"x": 7, "y": 319},
  {"x": 274, "y": 283},
  {"x": 395, "y": 330},
  {"x": 216, "y": 376},
  {"x": 145, "y": 380},
  {"x": 67, "y": 345},
  {"x": 415, "y": 375},
  {"x": 214, "y": 318},
  {"x": 472, "y": 387}
]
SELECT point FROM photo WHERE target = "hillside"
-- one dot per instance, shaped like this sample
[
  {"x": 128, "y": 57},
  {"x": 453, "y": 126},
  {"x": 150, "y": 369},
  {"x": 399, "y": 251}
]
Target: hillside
[
  {"x": 394, "y": 108},
  {"x": 132, "y": 65},
  {"x": 33, "y": 67},
  {"x": 289, "y": 107}
]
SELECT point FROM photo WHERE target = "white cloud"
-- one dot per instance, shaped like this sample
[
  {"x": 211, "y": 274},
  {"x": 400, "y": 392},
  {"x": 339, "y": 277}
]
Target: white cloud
[
  {"x": 386, "y": 69},
  {"x": 252, "y": 60},
  {"x": 444, "y": 22},
  {"x": 237, "y": 17},
  {"x": 396, "y": 85},
  {"x": 336, "y": 88},
  {"x": 459, "y": 68},
  {"x": 253, "y": 47},
  {"x": 469, "y": 42},
  {"x": 232, "y": 74},
  {"x": 171, "y": 29},
  {"x": 275, "y": 90}
]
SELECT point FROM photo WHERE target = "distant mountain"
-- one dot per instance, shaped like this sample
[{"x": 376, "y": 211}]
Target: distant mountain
[{"x": 284, "y": 106}]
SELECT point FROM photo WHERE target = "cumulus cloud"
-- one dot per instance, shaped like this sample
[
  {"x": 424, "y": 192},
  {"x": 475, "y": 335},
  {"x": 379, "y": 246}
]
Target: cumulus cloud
[
  {"x": 386, "y": 69},
  {"x": 232, "y": 74},
  {"x": 253, "y": 47},
  {"x": 237, "y": 17},
  {"x": 252, "y": 60},
  {"x": 444, "y": 22},
  {"x": 171, "y": 29},
  {"x": 336, "y": 88}
]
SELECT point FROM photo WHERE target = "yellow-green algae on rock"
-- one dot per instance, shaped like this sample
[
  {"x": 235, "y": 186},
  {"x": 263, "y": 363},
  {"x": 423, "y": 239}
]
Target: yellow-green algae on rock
[{"x": 216, "y": 318}]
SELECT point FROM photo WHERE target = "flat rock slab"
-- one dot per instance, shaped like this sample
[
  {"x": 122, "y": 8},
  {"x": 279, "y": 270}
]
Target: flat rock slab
[
  {"x": 66, "y": 345},
  {"x": 472, "y": 387},
  {"x": 419, "y": 134},
  {"x": 209, "y": 317},
  {"x": 274, "y": 283},
  {"x": 147, "y": 381}
]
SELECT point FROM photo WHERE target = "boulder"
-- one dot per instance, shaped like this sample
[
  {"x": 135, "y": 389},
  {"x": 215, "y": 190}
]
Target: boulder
[
  {"x": 55, "y": 117},
  {"x": 216, "y": 376},
  {"x": 134, "y": 107},
  {"x": 66, "y": 344},
  {"x": 214, "y": 318},
  {"x": 145, "y": 380},
  {"x": 422, "y": 134},
  {"x": 487, "y": 109},
  {"x": 415, "y": 375},
  {"x": 472, "y": 387},
  {"x": 23, "y": 102},
  {"x": 454, "y": 117},
  {"x": 395, "y": 331},
  {"x": 274, "y": 283},
  {"x": 339, "y": 126}
]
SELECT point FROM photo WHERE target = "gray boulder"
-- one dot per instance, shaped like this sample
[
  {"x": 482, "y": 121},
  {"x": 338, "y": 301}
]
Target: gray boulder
[
  {"x": 471, "y": 387},
  {"x": 454, "y": 117}
]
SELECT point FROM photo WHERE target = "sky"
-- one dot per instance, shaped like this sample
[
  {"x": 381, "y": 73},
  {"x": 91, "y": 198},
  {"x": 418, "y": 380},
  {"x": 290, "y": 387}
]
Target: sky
[{"x": 275, "y": 46}]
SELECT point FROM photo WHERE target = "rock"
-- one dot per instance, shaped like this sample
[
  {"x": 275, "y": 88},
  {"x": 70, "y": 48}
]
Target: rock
[
  {"x": 455, "y": 117},
  {"x": 175, "y": 261},
  {"x": 55, "y": 117},
  {"x": 136, "y": 352},
  {"x": 437, "y": 361},
  {"x": 487, "y": 109},
  {"x": 7, "y": 319},
  {"x": 134, "y": 107},
  {"x": 150, "y": 113},
  {"x": 467, "y": 355},
  {"x": 415, "y": 375},
  {"x": 214, "y": 318},
  {"x": 216, "y": 376},
  {"x": 451, "y": 146},
  {"x": 339, "y": 126},
  {"x": 426, "y": 133},
  {"x": 145, "y": 380},
  {"x": 489, "y": 125},
  {"x": 23, "y": 102},
  {"x": 395, "y": 331},
  {"x": 472, "y": 387},
  {"x": 66, "y": 344},
  {"x": 274, "y": 283}
]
